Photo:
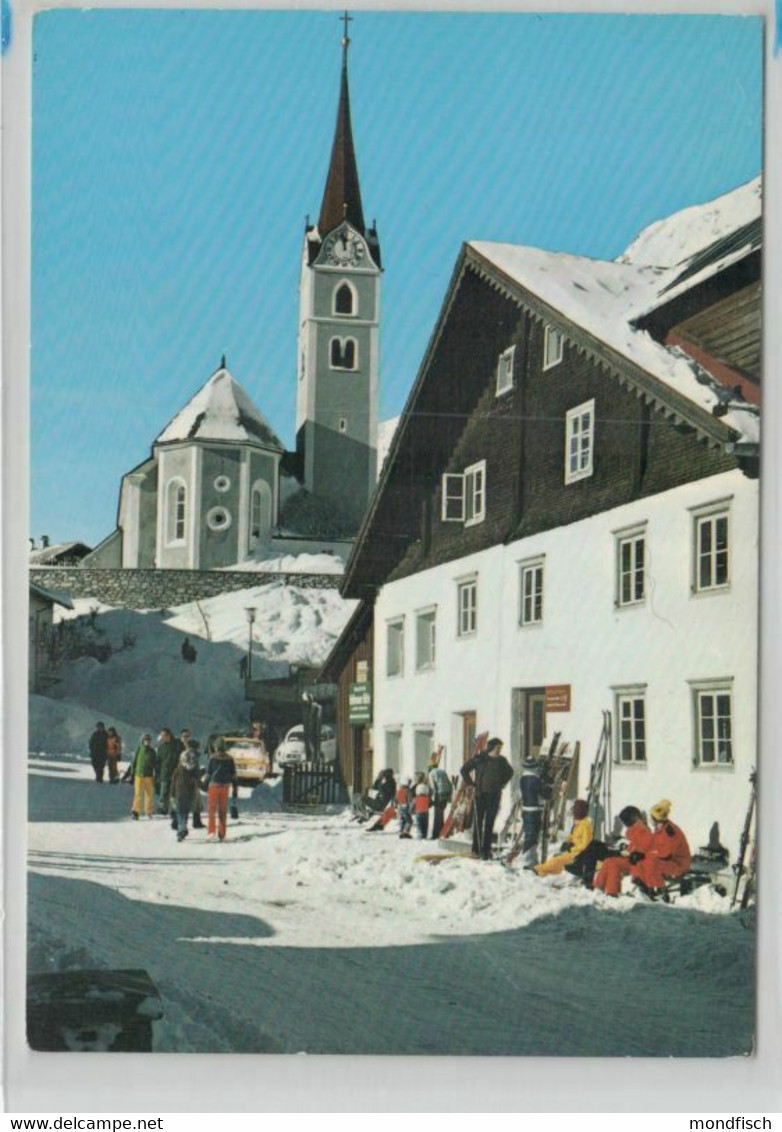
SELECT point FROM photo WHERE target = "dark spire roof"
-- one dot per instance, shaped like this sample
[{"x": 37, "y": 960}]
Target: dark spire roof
[{"x": 342, "y": 195}]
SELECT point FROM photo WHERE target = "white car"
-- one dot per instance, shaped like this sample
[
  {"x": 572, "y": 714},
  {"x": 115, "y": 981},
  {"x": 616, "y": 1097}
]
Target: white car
[{"x": 292, "y": 750}]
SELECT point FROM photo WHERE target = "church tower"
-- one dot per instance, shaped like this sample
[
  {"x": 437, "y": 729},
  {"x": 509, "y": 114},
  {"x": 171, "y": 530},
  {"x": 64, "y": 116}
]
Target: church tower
[{"x": 336, "y": 405}]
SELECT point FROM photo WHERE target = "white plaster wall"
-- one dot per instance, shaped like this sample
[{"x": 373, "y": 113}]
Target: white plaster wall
[{"x": 584, "y": 641}]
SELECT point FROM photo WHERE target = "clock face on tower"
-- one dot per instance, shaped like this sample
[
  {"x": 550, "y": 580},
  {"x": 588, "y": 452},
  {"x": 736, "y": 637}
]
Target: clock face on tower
[{"x": 344, "y": 248}]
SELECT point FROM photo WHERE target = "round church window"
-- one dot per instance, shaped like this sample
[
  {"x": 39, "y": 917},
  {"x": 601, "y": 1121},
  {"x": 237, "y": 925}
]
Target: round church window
[
  {"x": 218, "y": 519},
  {"x": 222, "y": 483}
]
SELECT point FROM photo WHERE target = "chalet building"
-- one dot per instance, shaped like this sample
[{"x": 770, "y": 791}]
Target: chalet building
[
  {"x": 218, "y": 486},
  {"x": 567, "y": 521},
  {"x": 349, "y": 667}
]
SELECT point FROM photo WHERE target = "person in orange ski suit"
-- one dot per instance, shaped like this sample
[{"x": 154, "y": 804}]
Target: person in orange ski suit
[
  {"x": 668, "y": 854},
  {"x": 639, "y": 840}
]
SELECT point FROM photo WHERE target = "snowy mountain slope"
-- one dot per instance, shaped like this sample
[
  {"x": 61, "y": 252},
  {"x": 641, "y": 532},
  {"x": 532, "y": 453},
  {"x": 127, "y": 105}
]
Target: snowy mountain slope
[{"x": 149, "y": 684}]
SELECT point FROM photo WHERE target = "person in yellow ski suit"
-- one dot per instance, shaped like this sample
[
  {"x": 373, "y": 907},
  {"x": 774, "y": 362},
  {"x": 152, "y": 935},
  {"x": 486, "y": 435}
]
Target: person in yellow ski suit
[{"x": 577, "y": 841}]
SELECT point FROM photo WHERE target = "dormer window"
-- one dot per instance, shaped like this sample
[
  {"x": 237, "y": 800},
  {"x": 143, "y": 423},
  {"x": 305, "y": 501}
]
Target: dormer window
[
  {"x": 345, "y": 299},
  {"x": 343, "y": 353},
  {"x": 505, "y": 371},
  {"x": 553, "y": 343}
]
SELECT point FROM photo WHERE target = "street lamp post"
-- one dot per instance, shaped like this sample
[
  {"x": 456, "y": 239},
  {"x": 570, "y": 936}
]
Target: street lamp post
[{"x": 250, "y": 614}]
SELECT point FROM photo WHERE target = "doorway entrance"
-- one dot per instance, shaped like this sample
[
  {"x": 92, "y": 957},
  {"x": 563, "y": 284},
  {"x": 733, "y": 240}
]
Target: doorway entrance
[{"x": 528, "y": 728}]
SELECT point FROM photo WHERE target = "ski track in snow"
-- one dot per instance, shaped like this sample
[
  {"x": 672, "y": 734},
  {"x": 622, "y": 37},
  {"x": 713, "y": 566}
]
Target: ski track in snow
[{"x": 302, "y": 933}]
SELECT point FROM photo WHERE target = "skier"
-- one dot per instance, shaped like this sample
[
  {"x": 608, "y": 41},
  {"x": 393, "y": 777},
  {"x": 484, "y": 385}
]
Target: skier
[
  {"x": 421, "y": 804},
  {"x": 167, "y": 758},
  {"x": 113, "y": 753},
  {"x": 531, "y": 810},
  {"x": 98, "y": 750},
  {"x": 383, "y": 791},
  {"x": 668, "y": 854},
  {"x": 489, "y": 772},
  {"x": 441, "y": 789},
  {"x": 614, "y": 868},
  {"x": 184, "y": 786},
  {"x": 575, "y": 844},
  {"x": 220, "y": 774},
  {"x": 142, "y": 770}
]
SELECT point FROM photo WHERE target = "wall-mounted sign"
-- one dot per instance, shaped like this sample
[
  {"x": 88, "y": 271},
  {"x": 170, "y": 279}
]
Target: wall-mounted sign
[
  {"x": 360, "y": 702},
  {"x": 558, "y": 697},
  {"x": 362, "y": 671}
]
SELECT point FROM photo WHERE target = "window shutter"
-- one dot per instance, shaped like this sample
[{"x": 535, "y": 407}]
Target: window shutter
[{"x": 453, "y": 498}]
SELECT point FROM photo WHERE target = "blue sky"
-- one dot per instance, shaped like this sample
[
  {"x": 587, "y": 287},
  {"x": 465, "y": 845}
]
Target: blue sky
[{"x": 176, "y": 154}]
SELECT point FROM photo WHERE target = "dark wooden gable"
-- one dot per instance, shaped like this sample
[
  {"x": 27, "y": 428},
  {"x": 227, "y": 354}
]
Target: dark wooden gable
[{"x": 647, "y": 438}]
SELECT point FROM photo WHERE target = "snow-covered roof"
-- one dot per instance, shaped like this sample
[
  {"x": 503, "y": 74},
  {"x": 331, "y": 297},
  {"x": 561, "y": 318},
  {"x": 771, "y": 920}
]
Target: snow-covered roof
[
  {"x": 385, "y": 434},
  {"x": 607, "y": 298},
  {"x": 220, "y": 410},
  {"x": 43, "y": 554}
]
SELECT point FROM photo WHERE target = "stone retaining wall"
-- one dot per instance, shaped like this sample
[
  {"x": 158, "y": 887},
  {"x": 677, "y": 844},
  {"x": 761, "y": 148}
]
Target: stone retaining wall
[{"x": 162, "y": 589}]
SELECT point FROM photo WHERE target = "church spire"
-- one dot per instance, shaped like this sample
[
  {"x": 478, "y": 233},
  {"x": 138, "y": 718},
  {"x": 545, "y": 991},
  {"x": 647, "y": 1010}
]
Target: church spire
[{"x": 342, "y": 195}]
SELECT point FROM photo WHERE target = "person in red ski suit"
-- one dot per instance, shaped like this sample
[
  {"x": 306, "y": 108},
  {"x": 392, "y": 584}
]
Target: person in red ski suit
[
  {"x": 668, "y": 854},
  {"x": 639, "y": 840}
]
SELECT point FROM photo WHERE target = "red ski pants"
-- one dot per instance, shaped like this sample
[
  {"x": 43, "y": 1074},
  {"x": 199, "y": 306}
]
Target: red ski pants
[
  {"x": 653, "y": 871},
  {"x": 218, "y": 810},
  {"x": 611, "y": 874}
]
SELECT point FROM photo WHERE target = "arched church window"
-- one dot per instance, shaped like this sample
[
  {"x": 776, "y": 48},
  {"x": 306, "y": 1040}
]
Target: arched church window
[
  {"x": 176, "y": 508},
  {"x": 344, "y": 353},
  {"x": 260, "y": 512},
  {"x": 345, "y": 299}
]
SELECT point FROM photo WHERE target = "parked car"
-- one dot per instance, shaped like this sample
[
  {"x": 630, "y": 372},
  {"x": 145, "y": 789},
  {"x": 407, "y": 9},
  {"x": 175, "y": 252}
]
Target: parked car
[
  {"x": 251, "y": 758},
  {"x": 292, "y": 750}
]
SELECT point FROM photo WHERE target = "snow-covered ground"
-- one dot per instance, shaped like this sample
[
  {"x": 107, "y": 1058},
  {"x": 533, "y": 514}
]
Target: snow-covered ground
[{"x": 305, "y": 933}]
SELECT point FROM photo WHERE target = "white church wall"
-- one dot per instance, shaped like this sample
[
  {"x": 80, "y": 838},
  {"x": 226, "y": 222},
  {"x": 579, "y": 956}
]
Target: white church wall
[
  {"x": 220, "y": 496},
  {"x": 177, "y": 463},
  {"x": 674, "y": 638}
]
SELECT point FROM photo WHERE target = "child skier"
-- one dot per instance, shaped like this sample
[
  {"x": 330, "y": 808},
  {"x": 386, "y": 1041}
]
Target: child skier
[
  {"x": 421, "y": 805},
  {"x": 404, "y": 796}
]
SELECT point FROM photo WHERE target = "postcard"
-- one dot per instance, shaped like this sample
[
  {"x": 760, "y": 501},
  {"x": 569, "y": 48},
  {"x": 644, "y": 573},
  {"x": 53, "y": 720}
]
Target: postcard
[{"x": 395, "y": 410}]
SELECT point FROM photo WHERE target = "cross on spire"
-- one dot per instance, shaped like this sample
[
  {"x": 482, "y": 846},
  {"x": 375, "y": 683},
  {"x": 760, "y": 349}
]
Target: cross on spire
[{"x": 345, "y": 19}]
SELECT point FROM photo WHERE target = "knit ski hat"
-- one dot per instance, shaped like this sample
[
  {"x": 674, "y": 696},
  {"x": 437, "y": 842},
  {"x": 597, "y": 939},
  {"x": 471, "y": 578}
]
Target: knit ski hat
[{"x": 661, "y": 810}]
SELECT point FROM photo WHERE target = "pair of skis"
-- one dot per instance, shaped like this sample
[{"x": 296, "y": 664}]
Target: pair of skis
[{"x": 749, "y": 883}]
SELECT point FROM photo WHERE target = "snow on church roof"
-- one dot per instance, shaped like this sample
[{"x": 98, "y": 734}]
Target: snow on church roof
[
  {"x": 220, "y": 410},
  {"x": 606, "y": 298}
]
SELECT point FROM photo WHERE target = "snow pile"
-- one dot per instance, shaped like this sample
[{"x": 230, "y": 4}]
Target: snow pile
[
  {"x": 145, "y": 684},
  {"x": 220, "y": 410},
  {"x": 59, "y": 726},
  {"x": 669, "y": 242},
  {"x": 306, "y": 933},
  {"x": 606, "y": 298},
  {"x": 324, "y": 563}
]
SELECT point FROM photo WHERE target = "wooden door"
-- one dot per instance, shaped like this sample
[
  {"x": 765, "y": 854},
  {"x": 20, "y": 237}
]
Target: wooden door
[{"x": 469, "y": 728}]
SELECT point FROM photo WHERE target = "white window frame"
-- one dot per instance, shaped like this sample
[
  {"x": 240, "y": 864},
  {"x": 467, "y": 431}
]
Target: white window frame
[
  {"x": 475, "y": 493},
  {"x": 393, "y": 729},
  {"x": 531, "y": 568},
  {"x": 630, "y": 536},
  {"x": 452, "y": 501},
  {"x": 173, "y": 518},
  {"x": 343, "y": 343},
  {"x": 466, "y": 612},
  {"x": 702, "y": 691},
  {"x": 575, "y": 430},
  {"x": 505, "y": 371},
  {"x": 630, "y": 696},
  {"x": 393, "y": 624},
  {"x": 553, "y": 347},
  {"x": 422, "y": 729},
  {"x": 354, "y": 300},
  {"x": 710, "y": 514},
  {"x": 428, "y": 615}
]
